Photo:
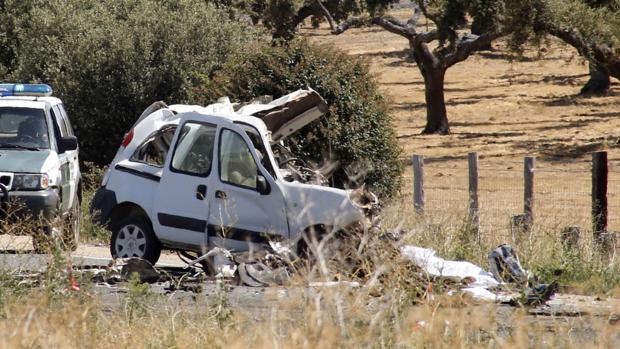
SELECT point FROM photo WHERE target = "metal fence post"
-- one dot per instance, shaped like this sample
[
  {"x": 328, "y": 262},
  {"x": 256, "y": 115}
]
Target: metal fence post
[
  {"x": 474, "y": 212},
  {"x": 418, "y": 183},
  {"x": 599, "y": 194},
  {"x": 528, "y": 191}
]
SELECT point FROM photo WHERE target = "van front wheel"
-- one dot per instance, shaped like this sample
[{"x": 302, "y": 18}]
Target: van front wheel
[{"x": 134, "y": 237}]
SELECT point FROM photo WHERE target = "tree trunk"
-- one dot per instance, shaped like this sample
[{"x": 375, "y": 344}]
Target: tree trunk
[
  {"x": 598, "y": 83},
  {"x": 327, "y": 15},
  {"x": 436, "y": 115}
]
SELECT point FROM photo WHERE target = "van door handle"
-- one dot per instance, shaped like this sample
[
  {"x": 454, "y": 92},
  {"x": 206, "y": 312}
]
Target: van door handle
[
  {"x": 220, "y": 194},
  {"x": 201, "y": 192}
]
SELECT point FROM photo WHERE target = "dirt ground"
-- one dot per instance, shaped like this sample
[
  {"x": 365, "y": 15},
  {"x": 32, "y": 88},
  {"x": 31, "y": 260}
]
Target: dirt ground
[
  {"x": 498, "y": 105},
  {"x": 504, "y": 108}
]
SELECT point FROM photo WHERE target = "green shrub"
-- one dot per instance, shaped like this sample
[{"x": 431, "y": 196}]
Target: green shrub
[
  {"x": 357, "y": 131},
  {"x": 108, "y": 60}
]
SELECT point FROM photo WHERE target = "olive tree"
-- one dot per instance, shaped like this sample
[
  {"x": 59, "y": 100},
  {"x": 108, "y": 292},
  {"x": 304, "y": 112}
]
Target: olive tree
[
  {"x": 283, "y": 17},
  {"x": 592, "y": 27},
  {"x": 460, "y": 28},
  {"x": 453, "y": 42}
]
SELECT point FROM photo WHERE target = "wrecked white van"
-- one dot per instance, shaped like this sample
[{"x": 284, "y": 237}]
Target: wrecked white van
[{"x": 191, "y": 178}]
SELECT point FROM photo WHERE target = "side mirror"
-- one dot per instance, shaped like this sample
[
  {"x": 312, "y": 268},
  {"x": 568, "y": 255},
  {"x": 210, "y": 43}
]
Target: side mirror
[
  {"x": 67, "y": 143},
  {"x": 262, "y": 186}
]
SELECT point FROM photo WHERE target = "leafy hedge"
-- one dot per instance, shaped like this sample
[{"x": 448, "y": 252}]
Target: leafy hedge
[
  {"x": 108, "y": 59},
  {"x": 357, "y": 131}
]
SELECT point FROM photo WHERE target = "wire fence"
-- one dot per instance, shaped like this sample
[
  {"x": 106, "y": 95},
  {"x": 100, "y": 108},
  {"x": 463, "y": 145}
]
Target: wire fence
[{"x": 562, "y": 193}]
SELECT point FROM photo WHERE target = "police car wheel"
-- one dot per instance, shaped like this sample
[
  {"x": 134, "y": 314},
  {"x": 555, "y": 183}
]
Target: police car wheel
[{"x": 134, "y": 237}]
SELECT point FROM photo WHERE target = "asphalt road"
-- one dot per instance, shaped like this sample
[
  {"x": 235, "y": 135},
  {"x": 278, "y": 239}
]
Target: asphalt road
[{"x": 16, "y": 255}]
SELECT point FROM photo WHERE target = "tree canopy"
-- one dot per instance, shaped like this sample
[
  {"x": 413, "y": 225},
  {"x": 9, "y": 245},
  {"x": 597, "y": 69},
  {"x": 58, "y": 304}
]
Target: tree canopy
[
  {"x": 108, "y": 60},
  {"x": 462, "y": 27},
  {"x": 592, "y": 27}
]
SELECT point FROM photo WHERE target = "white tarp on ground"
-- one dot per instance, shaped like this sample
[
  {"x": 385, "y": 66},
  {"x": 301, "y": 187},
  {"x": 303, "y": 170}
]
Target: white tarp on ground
[{"x": 432, "y": 264}]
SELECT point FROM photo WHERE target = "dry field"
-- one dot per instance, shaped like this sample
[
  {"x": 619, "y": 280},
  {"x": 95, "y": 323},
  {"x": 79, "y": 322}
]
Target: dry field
[{"x": 504, "y": 108}]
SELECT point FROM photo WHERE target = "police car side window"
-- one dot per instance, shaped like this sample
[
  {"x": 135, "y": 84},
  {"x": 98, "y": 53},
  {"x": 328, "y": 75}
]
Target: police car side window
[
  {"x": 59, "y": 120},
  {"x": 65, "y": 119},
  {"x": 56, "y": 128}
]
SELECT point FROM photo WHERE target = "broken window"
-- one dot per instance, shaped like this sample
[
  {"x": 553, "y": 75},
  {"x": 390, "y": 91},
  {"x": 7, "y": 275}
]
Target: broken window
[{"x": 154, "y": 149}]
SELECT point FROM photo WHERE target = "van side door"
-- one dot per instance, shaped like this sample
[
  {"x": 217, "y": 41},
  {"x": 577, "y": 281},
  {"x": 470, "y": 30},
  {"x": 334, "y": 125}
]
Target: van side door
[
  {"x": 181, "y": 208},
  {"x": 240, "y": 214}
]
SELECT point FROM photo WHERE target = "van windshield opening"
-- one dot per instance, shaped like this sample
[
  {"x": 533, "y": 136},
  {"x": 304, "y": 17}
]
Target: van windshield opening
[{"x": 23, "y": 128}]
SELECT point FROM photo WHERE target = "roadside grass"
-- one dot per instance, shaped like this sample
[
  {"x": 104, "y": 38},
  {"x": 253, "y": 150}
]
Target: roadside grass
[
  {"x": 90, "y": 232},
  {"x": 582, "y": 269},
  {"x": 395, "y": 307},
  {"x": 325, "y": 318}
]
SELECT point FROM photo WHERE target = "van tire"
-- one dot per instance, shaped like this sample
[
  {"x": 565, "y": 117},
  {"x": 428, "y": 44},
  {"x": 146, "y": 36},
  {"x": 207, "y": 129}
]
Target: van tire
[{"x": 133, "y": 237}]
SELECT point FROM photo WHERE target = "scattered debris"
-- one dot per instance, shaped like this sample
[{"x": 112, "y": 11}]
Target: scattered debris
[
  {"x": 455, "y": 270},
  {"x": 349, "y": 284},
  {"x": 481, "y": 284},
  {"x": 541, "y": 294},
  {"x": 505, "y": 267},
  {"x": 140, "y": 267},
  {"x": 260, "y": 275}
]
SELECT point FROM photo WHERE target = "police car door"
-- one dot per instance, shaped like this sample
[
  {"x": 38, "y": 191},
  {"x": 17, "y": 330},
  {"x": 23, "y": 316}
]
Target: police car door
[
  {"x": 72, "y": 158},
  {"x": 60, "y": 129}
]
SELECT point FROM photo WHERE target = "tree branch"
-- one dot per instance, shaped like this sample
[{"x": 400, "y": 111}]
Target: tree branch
[
  {"x": 326, "y": 14},
  {"x": 468, "y": 44},
  {"x": 426, "y": 37},
  {"x": 422, "y": 5},
  {"x": 395, "y": 26},
  {"x": 602, "y": 55},
  {"x": 415, "y": 17},
  {"x": 351, "y": 22},
  {"x": 303, "y": 13}
]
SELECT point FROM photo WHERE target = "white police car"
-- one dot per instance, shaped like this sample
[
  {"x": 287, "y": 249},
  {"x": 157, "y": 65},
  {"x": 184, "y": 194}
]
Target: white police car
[
  {"x": 39, "y": 169},
  {"x": 190, "y": 178}
]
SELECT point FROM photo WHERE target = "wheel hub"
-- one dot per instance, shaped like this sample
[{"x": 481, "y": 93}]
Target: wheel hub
[{"x": 130, "y": 242}]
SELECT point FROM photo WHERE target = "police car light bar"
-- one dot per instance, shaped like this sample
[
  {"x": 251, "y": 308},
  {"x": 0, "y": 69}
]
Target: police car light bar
[{"x": 39, "y": 90}]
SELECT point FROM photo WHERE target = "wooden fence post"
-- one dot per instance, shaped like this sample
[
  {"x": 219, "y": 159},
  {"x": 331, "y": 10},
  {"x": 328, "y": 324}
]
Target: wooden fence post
[
  {"x": 474, "y": 209},
  {"x": 599, "y": 194},
  {"x": 528, "y": 192},
  {"x": 418, "y": 183}
]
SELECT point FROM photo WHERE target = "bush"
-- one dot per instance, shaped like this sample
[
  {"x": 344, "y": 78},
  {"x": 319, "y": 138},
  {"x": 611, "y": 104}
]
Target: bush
[
  {"x": 357, "y": 131},
  {"x": 108, "y": 60}
]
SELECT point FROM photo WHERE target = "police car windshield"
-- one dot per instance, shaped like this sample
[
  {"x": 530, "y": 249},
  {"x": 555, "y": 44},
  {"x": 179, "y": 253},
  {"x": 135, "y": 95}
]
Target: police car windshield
[{"x": 23, "y": 128}]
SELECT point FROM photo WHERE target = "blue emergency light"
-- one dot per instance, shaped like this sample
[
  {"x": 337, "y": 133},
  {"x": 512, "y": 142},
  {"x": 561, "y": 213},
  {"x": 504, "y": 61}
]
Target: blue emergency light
[{"x": 39, "y": 90}]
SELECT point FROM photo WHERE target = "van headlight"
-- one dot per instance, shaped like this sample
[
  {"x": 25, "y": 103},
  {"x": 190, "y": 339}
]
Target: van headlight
[{"x": 30, "y": 181}]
